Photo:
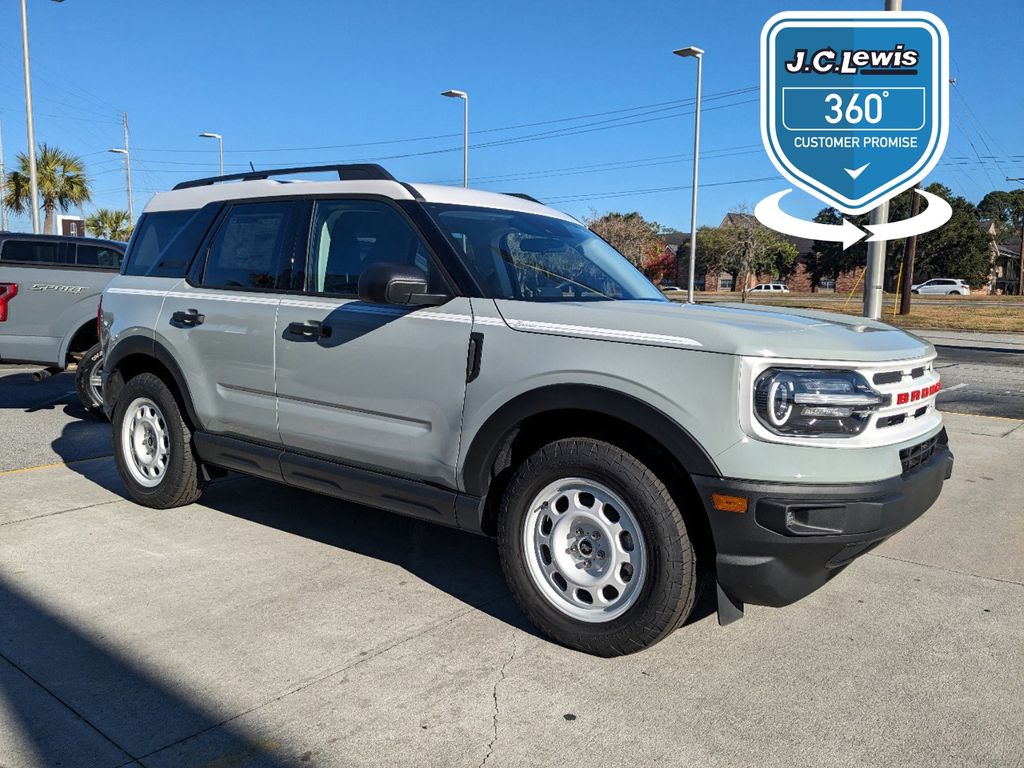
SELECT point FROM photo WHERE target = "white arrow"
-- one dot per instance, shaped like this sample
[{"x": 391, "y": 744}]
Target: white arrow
[
  {"x": 855, "y": 172},
  {"x": 771, "y": 215},
  {"x": 934, "y": 216}
]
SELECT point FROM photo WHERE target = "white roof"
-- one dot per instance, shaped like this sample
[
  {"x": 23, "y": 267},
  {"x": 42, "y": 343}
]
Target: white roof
[{"x": 196, "y": 197}]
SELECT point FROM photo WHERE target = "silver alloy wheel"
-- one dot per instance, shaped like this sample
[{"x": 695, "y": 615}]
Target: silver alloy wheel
[
  {"x": 96, "y": 382},
  {"x": 584, "y": 549},
  {"x": 145, "y": 442}
]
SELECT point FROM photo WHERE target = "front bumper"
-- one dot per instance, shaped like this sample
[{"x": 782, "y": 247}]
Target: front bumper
[{"x": 793, "y": 538}]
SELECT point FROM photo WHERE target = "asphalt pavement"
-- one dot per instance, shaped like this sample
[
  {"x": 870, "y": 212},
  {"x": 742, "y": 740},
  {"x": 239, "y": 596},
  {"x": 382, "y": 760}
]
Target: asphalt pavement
[{"x": 266, "y": 626}]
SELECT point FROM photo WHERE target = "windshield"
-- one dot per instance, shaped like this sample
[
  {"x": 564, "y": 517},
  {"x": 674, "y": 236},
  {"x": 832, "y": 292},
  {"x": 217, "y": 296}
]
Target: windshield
[{"x": 528, "y": 257}]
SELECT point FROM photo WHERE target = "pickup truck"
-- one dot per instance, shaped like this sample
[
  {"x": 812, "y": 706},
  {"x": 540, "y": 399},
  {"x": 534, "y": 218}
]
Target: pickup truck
[{"x": 50, "y": 290}]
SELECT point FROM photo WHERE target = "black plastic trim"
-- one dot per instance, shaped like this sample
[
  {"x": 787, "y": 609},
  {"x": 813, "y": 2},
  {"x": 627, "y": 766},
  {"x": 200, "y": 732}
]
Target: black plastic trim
[
  {"x": 491, "y": 437},
  {"x": 140, "y": 345},
  {"x": 476, "y": 351},
  {"x": 360, "y": 485},
  {"x": 795, "y": 537}
]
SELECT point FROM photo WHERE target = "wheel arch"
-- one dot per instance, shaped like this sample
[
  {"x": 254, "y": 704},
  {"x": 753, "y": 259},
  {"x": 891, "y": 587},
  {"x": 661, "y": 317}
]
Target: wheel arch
[
  {"x": 139, "y": 354},
  {"x": 83, "y": 338},
  {"x": 531, "y": 419}
]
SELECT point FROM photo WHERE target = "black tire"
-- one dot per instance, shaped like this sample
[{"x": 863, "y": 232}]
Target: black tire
[
  {"x": 90, "y": 365},
  {"x": 954, "y": 293},
  {"x": 915, "y": 292},
  {"x": 182, "y": 482},
  {"x": 667, "y": 594}
]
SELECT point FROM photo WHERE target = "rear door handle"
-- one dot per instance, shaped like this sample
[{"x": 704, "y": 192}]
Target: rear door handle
[
  {"x": 187, "y": 319},
  {"x": 313, "y": 329}
]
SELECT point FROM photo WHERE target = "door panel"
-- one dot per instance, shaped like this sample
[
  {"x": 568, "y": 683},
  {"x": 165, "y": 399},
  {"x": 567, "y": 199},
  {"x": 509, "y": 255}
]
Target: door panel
[
  {"x": 222, "y": 330},
  {"x": 371, "y": 384}
]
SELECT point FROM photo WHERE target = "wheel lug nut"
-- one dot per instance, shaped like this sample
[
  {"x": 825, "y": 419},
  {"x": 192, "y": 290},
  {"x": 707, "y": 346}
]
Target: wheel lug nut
[
  {"x": 578, "y": 531},
  {"x": 574, "y": 549},
  {"x": 595, "y": 535},
  {"x": 587, "y": 563},
  {"x": 600, "y": 555}
]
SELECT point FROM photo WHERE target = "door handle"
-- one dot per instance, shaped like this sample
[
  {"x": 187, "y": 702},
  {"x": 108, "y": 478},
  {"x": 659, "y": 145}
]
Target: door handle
[
  {"x": 313, "y": 329},
  {"x": 187, "y": 319}
]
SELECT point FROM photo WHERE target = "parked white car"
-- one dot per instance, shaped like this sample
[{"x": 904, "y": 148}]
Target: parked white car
[
  {"x": 944, "y": 286},
  {"x": 769, "y": 288}
]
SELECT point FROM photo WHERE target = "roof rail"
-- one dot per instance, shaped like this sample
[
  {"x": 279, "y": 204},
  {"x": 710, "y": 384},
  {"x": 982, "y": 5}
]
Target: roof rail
[
  {"x": 524, "y": 196},
  {"x": 351, "y": 172}
]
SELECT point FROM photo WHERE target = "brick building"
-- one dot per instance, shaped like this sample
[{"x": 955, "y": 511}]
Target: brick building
[{"x": 799, "y": 280}]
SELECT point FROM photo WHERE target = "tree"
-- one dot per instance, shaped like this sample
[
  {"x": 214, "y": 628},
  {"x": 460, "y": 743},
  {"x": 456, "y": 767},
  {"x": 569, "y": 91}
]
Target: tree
[
  {"x": 828, "y": 260},
  {"x": 745, "y": 248},
  {"x": 112, "y": 225},
  {"x": 959, "y": 248},
  {"x": 635, "y": 238},
  {"x": 61, "y": 179},
  {"x": 1006, "y": 210}
]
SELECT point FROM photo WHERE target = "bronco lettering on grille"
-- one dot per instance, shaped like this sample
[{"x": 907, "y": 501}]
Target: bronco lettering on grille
[{"x": 918, "y": 394}]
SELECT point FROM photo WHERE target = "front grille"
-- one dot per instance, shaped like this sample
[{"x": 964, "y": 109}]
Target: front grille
[
  {"x": 916, "y": 455},
  {"x": 888, "y": 377}
]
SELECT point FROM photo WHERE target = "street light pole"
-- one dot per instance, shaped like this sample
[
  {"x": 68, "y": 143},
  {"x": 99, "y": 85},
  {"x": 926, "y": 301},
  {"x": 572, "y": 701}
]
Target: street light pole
[
  {"x": 697, "y": 53},
  {"x": 220, "y": 145},
  {"x": 33, "y": 179},
  {"x": 1020, "y": 270},
  {"x": 465, "y": 131},
  {"x": 127, "y": 166}
]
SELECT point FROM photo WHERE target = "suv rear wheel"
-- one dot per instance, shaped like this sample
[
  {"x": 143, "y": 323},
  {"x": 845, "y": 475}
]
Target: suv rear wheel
[
  {"x": 153, "y": 445},
  {"x": 594, "y": 548},
  {"x": 87, "y": 381}
]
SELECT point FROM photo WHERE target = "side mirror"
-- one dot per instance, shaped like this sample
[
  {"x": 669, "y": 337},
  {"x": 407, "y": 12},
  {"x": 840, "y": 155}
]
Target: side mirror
[{"x": 388, "y": 283}]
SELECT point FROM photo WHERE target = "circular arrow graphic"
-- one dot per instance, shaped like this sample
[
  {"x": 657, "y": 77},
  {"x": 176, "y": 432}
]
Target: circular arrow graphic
[
  {"x": 934, "y": 216},
  {"x": 772, "y": 216}
]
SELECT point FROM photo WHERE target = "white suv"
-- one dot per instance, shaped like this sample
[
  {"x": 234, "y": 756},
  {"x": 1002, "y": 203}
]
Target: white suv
[
  {"x": 769, "y": 288},
  {"x": 942, "y": 286}
]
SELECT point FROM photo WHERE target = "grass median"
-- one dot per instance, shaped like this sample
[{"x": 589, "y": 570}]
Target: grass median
[{"x": 995, "y": 314}]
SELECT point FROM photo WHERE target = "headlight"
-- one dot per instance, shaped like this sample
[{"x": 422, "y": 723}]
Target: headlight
[{"x": 814, "y": 403}]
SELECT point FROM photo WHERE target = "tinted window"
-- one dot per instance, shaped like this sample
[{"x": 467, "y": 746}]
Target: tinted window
[
  {"x": 98, "y": 256},
  {"x": 349, "y": 235},
  {"x": 31, "y": 251},
  {"x": 147, "y": 250},
  {"x": 249, "y": 248},
  {"x": 531, "y": 257}
]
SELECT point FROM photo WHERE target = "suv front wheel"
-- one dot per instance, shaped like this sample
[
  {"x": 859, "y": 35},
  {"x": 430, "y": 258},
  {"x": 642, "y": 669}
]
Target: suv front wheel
[
  {"x": 153, "y": 445},
  {"x": 595, "y": 549}
]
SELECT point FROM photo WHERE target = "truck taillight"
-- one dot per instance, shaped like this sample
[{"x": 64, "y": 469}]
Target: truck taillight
[{"x": 7, "y": 292}]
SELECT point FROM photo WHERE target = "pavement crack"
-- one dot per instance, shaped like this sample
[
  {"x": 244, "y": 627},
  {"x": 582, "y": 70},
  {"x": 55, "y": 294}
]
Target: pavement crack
[
  {"x": 497, "y": 708},
  {"x": 947, "y": 570}
]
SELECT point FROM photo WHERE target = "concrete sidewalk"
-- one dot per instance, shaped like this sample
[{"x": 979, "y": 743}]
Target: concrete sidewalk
[
  {"x": 266, "y": 626},
  {"x": 973, "y": 339}
]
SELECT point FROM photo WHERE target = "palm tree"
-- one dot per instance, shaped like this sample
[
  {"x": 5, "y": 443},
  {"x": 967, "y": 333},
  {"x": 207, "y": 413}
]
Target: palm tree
[
  {"x": 112, "y": 225},
  {"x": 62, "y": 183}
]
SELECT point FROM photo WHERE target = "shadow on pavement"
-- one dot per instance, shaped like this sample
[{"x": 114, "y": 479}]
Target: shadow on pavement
[
  {"x": 460, "y": 564},
  {"x": 99, "y": 708}
]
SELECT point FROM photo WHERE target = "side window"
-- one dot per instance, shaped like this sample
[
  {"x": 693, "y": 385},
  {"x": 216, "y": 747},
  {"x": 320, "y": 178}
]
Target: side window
[
  {"x": 31, "y": 251},
  {"x": 348, "y": 235},
  {"x": 98, "y": 256},
  {"x": 150, "y": 241},
  {"x": 253, "y": 248}
]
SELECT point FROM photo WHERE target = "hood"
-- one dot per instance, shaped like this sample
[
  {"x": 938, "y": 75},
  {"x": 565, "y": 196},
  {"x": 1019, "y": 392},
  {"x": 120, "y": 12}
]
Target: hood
[{"x": 735, "y": 329}]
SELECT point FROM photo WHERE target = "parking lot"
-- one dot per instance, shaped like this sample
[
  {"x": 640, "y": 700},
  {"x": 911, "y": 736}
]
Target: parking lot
[{"x": 268, "y": 626}]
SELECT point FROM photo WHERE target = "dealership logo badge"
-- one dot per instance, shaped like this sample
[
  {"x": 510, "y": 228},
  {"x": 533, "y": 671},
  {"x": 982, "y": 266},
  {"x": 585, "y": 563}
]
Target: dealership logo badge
[{"x": 855, "y": 104}]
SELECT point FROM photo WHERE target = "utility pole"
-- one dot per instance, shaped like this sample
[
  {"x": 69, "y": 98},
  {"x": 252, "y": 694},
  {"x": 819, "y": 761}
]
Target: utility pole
[
  {"x": 909, "y": 252},
  {"x": 3, "y": 188},
  {"x": 876, "y": 250},
  {"x": 33, "y": 180}
]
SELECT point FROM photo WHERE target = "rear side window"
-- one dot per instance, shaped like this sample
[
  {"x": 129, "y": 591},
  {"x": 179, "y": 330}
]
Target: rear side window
[
  {"x": 253, "y": 248},
  {"x": 31, "y": 252},
  {"x": 98, "y": 256},
  {"x": 149, "y": 253}
]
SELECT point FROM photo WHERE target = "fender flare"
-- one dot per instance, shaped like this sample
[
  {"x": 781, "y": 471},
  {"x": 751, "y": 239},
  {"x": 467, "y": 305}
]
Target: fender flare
[
  {"x": 149, "y": 347},
  {"x": 490, "y": 438}
]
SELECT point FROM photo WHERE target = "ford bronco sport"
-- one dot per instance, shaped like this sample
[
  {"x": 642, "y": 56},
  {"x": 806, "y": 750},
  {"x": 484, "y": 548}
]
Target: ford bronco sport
[
  {"x": 484, "y": 361},
  {"x": 49, "y": 292}
]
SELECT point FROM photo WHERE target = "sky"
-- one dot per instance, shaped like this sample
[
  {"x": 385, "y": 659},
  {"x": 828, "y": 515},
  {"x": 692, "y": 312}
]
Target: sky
[{"x": 580, "y": 104}]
